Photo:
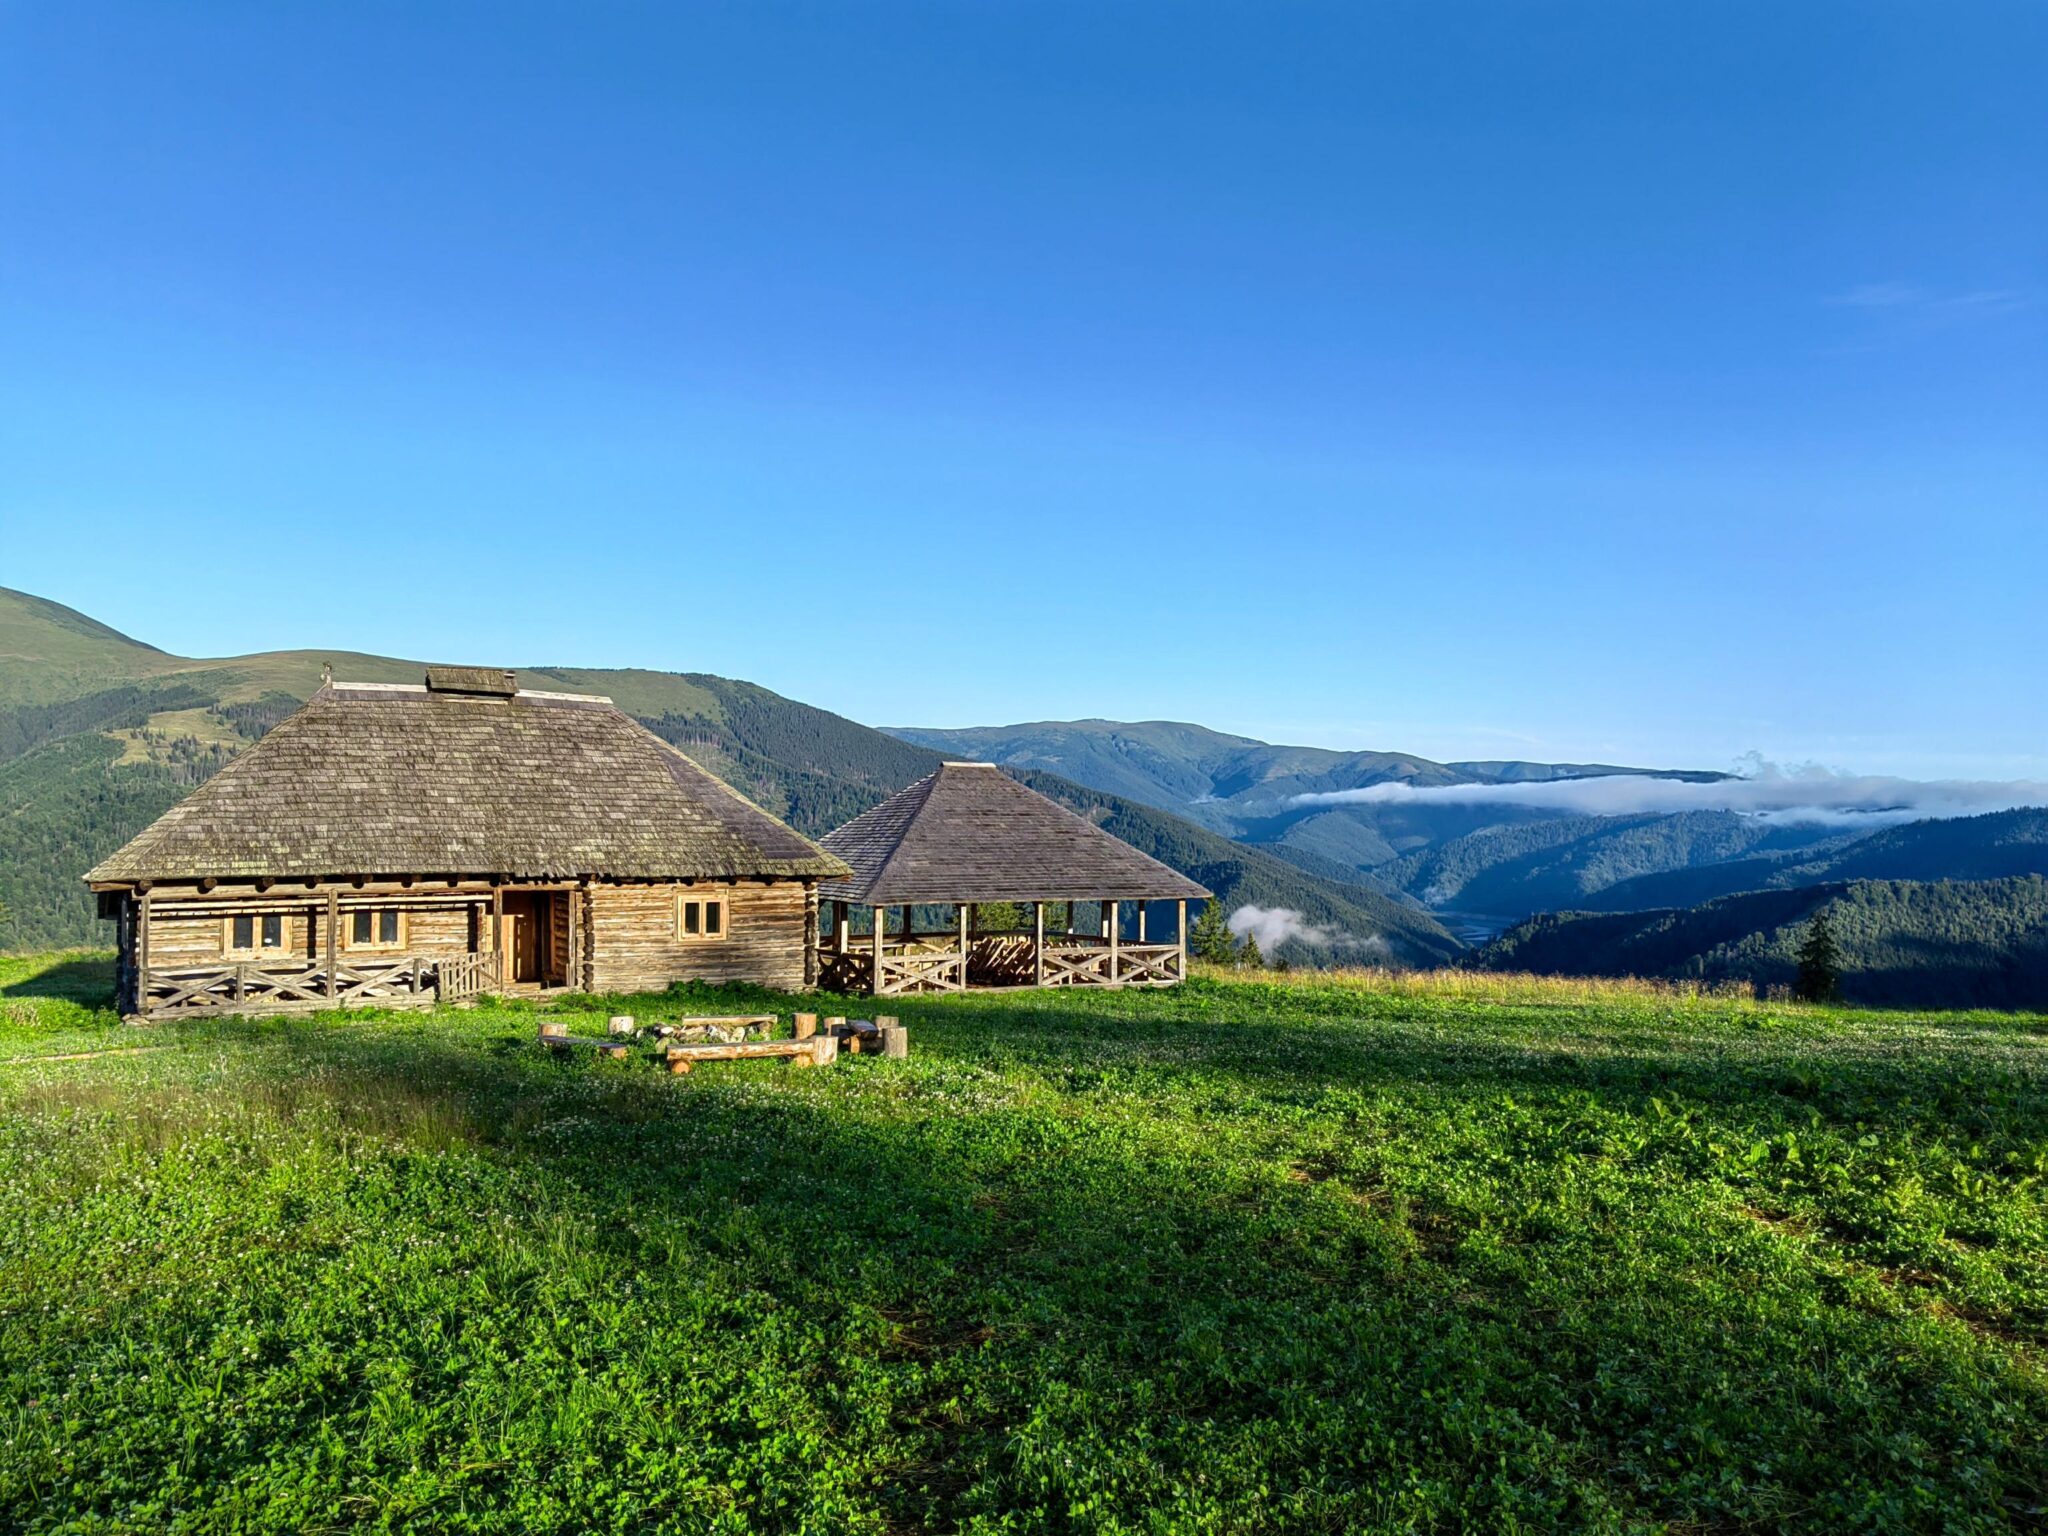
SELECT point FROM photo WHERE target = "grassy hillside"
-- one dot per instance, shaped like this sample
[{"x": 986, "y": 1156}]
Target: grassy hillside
[
  {"x": 82, "y": 772},
  {"x": 1987, "y": 847},
  {"x": 1245, "y": 1258},
  {"x": 1942, "y": 944}
]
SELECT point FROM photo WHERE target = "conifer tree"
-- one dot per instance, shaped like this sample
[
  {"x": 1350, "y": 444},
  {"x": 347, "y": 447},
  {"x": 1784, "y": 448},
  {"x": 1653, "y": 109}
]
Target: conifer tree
[
  {"x": 1209, "y": 939},
  {"x": 1250, "y": 954},
  {"x": 1820, "y": 964}
]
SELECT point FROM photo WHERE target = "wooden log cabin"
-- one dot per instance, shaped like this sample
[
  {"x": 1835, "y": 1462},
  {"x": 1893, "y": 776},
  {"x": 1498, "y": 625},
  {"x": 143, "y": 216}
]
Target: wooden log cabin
[
  {"x": 395, "y": 844},
  {"x": 969, "y": 838}
]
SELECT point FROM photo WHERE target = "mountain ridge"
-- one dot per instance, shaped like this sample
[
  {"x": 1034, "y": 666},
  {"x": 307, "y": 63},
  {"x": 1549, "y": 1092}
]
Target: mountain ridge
[{"x": 100, "y": 733}]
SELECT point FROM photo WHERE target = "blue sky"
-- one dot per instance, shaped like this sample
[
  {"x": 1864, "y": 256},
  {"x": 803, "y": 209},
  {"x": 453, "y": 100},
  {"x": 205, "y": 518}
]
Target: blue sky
[{"x": 1629, "y": 381}]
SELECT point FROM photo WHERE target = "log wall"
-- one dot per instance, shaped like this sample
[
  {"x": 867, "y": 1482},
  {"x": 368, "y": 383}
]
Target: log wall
[
  {"x": 634, "y": 947},
  {"x": 197, "y": 934}
]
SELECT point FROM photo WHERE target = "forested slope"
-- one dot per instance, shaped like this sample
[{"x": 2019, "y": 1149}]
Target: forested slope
[{"x": 1981, "y": 943}]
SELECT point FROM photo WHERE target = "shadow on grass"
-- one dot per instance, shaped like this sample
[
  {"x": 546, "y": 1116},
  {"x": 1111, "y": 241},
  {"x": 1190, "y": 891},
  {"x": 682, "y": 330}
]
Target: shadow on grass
[{"x": 89, "y": 982}]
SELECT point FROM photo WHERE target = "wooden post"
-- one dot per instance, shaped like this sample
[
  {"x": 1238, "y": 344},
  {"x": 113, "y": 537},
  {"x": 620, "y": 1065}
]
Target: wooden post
[
  {"x": 1038, "y": 943},
  {"x": 122, "y": 957},
  {"x": 1110, "y": 926},
  {"x": 895, "y": 1040},
  {"x": 333, "y": 944},
  {"x": 806, "y": 1025},
  {"x": 574, "y": 967},
  {"x": 813, "y": 939},
  {"x": 1180, "y": 935},
  {"x": 142, "y": 953},
  {"x": 963, "y": 948},
  {"x": 1141, "y": 922},
  {"x": 881, "y": 922},
  {"x": 842, "y": 926}
]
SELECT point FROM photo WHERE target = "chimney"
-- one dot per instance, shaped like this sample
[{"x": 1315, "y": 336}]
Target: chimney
[{"x": 484, "y": 682}]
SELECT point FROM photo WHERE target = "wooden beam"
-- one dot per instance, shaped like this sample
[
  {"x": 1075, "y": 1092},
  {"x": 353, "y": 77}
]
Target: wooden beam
[
  {"x": 1141, "y": 921},
  {"x": 1110, "y": 926},
  {"x": 881, "y": 922},
  {"x": 574, "y": 967},
  {"x": 1038, "y": 943},
  {"x": 142, "y": 952},
  {"x": 963, "y": 948},
  {"x": 1180, "y": 937},
  {"x": 333, "y": 943}
]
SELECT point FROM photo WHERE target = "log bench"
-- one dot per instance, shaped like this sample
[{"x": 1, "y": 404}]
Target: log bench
[{"x": 683, "y": 1056}]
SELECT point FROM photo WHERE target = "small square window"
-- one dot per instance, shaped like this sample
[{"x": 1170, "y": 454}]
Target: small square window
[
  {"x": 376, "y": 928},
  {"x": 244, "y": 936},
  {"x": 273, "y": 930},
  {"x": 700, "y": 917}
]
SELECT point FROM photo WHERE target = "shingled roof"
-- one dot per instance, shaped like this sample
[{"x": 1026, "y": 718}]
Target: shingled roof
[
  {"x": 970, "y": 832},
  {"x": 467, "y": 777}
]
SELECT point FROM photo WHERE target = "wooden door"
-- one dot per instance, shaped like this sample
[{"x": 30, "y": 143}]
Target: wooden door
[{"x": 520, "y": 938}]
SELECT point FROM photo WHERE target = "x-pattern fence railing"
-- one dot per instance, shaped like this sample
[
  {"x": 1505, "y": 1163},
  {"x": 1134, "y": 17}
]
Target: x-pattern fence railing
[{"x": 399, "y": 979}]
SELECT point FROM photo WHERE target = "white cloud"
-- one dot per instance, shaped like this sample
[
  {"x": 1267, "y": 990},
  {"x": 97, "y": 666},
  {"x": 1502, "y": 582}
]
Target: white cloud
[
  {"x": 1877, "y": 296},
  {"x": 1274, "y": 926},
  {"x": 1806, "y": 793}
]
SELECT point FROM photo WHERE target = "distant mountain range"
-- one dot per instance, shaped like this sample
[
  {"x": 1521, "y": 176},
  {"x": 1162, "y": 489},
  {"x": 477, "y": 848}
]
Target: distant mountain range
[
  {"x": 101, "y": 733},
  {"x": 1486, "y": 864},
  {"x": 1250, "y": 790}
]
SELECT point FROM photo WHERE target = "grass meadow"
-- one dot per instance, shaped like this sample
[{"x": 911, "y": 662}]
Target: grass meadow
[{"x": 1300, "y": 1254}]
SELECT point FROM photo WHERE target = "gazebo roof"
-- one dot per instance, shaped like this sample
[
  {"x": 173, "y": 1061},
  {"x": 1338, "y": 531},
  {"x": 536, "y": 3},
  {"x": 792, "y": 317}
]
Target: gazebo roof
[{"x": 972, "y": 833}]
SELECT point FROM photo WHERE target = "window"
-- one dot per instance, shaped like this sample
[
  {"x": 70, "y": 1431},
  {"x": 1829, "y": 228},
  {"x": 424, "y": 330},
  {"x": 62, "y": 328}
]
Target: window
[
  {"x": 252, "y": 933},
  {"x": 378, "y": 928},
  {"x": 700, "y": 917}
]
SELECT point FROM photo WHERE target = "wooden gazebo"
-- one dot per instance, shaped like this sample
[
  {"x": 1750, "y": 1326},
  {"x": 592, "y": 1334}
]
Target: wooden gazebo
[{"x": 967, "y": 837}]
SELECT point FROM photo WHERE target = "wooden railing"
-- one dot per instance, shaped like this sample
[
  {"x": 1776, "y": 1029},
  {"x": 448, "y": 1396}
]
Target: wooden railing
[
  {"x": 1091, "y": 962},
  {"x": 259, "y": 985},
  {"x": 843, "y": 972},
  {"x": 1000, "y": 959},
  {"x": 920, "y": 965}
]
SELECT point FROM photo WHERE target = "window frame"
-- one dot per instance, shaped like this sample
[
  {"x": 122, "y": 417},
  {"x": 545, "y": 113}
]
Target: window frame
[
  {"x": 373, "y": 944},
  {"x": 256, "y": 948},
  {"x": 708, "y": 932}
]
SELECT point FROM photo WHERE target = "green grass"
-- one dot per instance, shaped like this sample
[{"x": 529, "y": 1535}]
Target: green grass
[{"x": 1238, "y": 1258}]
